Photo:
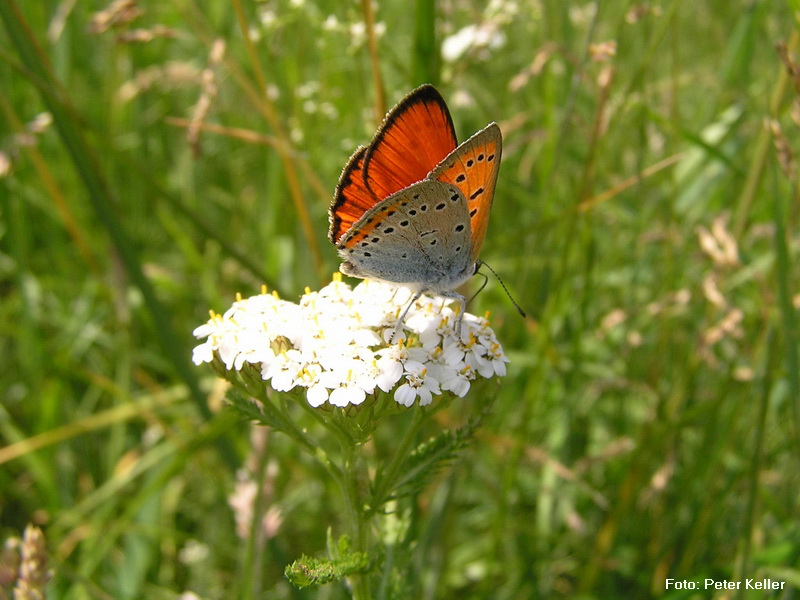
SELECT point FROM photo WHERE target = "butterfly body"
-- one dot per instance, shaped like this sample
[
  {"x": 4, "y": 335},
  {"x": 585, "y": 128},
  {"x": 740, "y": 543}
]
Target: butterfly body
[{"x": 412, "y": 207}]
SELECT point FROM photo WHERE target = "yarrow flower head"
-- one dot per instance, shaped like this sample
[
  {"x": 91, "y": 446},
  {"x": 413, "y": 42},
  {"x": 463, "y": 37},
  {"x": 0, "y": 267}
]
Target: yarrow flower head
[{"x": 335, "y": 344}]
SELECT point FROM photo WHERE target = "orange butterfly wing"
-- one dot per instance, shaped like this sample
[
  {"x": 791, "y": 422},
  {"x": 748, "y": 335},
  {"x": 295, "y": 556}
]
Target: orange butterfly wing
[
  {"x": 473, "y": 168},
  {"x": 351, "y": 198},
  {"x": 415, "y": 136}
]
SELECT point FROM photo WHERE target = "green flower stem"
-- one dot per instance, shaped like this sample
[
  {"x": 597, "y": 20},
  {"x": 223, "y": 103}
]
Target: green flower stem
[
  {"x": 355, "y": 491},
  {"x": 386, "y": 480}
]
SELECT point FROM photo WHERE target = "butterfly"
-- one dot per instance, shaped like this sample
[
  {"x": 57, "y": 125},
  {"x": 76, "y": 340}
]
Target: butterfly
[{"x": 412, "y": 206}]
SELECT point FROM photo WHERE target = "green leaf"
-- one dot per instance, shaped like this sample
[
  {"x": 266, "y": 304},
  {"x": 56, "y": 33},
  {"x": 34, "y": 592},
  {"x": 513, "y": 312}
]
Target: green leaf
[
  {"x": 246, "y": 406},
  {"x": 308, "y": 571},
  {"x": 427, "y": 458}
]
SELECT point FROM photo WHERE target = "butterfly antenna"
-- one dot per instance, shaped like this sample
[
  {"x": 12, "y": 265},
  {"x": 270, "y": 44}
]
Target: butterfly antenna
[
  {"x": 480, "y": 289},
  {"x": 505, "y": 289}
]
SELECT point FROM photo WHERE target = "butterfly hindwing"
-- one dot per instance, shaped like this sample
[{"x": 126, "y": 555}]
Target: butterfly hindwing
[
  {"x": 473, "y": 168},
  {"x": 415, "y": 136},
  {"x": 417, "y": 235}
]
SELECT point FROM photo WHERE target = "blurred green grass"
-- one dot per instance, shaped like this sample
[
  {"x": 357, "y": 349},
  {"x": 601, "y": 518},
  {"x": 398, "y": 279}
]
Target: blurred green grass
[{"x": 648, "y": 427}]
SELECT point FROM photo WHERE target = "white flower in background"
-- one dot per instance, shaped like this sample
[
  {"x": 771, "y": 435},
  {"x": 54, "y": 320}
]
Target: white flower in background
[
  {"x": 487, "y": 35},
  {"x": 333, "y": 344}
]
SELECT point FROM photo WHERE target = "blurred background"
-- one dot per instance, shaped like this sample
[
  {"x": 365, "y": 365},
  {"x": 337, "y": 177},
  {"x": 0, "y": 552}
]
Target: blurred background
[{"x": 156, "y": 158}]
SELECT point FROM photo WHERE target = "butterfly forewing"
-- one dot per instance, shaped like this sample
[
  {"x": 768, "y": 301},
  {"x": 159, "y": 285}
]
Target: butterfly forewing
[
  {"x": 473, "y": 168},
  {"x": 351, "y": 198},
  {"x": 413, "y": 139},
  {"x": 419, "y": 235},
  {"x": 415, "y": 136}
]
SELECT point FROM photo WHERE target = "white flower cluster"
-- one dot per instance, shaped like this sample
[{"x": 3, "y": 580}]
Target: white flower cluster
[{"x": 334, "y": 343}]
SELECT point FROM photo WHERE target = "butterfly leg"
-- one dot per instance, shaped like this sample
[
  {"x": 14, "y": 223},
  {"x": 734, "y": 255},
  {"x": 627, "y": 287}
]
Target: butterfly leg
[
  {"x": 403, "y": 316},
  {"x": 462, "y": 310}
]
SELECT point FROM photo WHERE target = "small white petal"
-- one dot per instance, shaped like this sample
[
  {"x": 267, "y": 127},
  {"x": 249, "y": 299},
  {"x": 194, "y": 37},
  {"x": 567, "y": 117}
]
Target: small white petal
[
  {"x": 203, "y": 353},
  {"x": 499, "y": 368},
  {"x": 425, "y": 397},
  {"x": 405, "y": 395},
  {"x": 347, "y": 395},
  {"x": 317, "y": 395},
  {"x": 205, "y": 330}
]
